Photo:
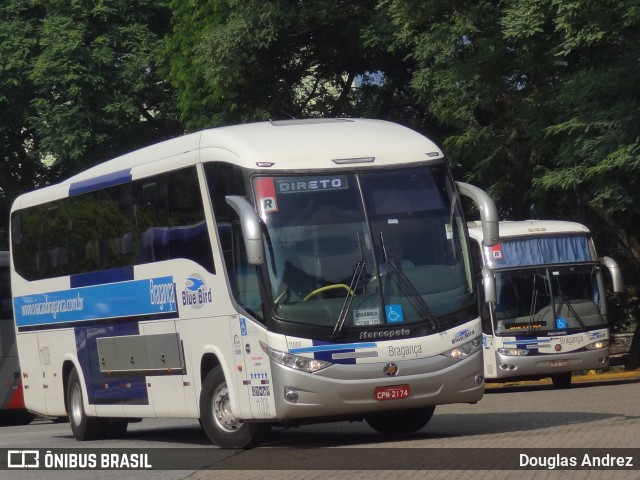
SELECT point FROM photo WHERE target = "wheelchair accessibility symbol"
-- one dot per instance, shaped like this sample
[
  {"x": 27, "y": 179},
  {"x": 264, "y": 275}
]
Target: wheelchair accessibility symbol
[{"x": 394, "y": 313}]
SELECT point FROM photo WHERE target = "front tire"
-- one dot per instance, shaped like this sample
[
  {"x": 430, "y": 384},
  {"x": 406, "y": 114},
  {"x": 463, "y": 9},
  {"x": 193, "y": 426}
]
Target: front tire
[
  {"x": 83, "y": 427},
  {"x": 401, "y": 422},
  {"x": 220, "y": 425}
]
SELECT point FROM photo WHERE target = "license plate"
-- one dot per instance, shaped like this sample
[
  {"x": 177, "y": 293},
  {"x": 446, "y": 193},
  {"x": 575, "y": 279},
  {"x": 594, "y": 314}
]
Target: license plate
[
  {"x": 559, "y": 363},
  {"x": 395, "y": 392}
]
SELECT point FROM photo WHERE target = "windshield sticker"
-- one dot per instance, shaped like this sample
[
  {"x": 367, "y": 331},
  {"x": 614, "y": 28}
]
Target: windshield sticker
[
  {"x": 266, "y": 194},
  {"x": 448, "y": 231},
  {"x": 366, "y": 316},
  {"x": 286, "y": 185},
  {"x": 561, "y": 323},
  {"x": 496, "y": 252},
  {"x": 394, "y": 313}
]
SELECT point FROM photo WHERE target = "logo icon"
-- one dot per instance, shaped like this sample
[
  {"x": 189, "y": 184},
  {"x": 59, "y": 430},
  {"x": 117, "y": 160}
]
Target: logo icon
[
  {"x": 462, "y": 335},
  {"x": 391, "y": 369},
  {"x": 23, "y": 459},
  {"x": 196, "y": 293}
]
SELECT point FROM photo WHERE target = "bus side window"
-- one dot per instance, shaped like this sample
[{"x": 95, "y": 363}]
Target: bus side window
[
  {"x": 188, "y": 233},
  {"x": 169, "y": 218}
]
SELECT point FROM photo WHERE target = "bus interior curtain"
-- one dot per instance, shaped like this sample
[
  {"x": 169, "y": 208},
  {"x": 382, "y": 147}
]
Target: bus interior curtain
[{"x": 545, "y": 250}]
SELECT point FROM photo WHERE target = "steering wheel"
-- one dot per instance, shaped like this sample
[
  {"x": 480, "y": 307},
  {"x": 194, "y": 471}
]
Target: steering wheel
[{"x": 328, "y": 287}]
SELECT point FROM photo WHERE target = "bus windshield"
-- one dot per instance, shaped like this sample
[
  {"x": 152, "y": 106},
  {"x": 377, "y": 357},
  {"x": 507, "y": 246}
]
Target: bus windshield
[
  {"x": 548, "y": 300},
  {"x": 366, "y": 249}
]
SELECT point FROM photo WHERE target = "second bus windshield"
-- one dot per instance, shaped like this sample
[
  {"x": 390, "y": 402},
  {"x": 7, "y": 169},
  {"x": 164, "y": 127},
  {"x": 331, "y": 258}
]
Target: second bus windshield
[
  {"x": 541, "y": 300},
  {"x": 368, "y": 249}
]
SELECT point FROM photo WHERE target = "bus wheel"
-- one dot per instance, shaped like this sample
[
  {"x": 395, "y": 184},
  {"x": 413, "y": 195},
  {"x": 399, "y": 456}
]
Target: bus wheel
[
  {"x": 82, "y": 426},
  {"x": 221, "y": 426},
  {"x": 561, "y": 380},
  {"x": 402, "y": 422}
]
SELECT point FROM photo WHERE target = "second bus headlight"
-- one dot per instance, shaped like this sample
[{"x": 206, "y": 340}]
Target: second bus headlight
[
  {"x": 297, "y": 362},
  {"x": 597, "y": 345}
]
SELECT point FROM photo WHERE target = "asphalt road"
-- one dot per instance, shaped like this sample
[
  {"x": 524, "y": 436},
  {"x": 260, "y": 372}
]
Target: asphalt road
[{"x": 598, "y": 414}]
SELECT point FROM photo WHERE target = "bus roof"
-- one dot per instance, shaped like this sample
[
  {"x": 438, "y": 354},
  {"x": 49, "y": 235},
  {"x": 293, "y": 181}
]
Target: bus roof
[
  {"x": 529, "y": 227},
  {"x": 274, "y": 145}
]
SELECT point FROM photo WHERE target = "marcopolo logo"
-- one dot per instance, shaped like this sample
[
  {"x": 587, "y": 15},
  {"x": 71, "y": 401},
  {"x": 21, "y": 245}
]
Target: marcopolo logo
[{"x": 196, "y": 293}]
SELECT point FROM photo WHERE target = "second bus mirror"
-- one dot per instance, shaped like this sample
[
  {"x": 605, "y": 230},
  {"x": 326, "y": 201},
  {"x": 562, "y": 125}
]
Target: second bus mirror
[
  {"x": 489, "y": 284},
  {"x": 616, "y": 275},
  {"x": 250, "y": 225}
]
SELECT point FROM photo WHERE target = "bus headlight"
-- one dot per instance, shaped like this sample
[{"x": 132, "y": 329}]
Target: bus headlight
[
  {"x": 296, "y": 362},
  {"x": 598, "y": 345},
  {"x": 513, "y": 352},
  {"x": 465, "y": 350}
]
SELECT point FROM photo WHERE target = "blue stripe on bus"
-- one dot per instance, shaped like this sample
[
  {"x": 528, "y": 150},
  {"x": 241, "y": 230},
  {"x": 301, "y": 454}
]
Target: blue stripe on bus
[
  {"x": 101, "y": 277},
  {"x": 332, "y": 347},
  {"x": 98, "y": 183},
  {"x": 152, "y": 296}
]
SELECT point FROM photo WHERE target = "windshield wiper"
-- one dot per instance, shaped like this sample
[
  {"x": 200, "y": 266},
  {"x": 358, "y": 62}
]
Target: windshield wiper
[
  {"x": 353, "y": 285},
  {"x": 408, "y": 287}
]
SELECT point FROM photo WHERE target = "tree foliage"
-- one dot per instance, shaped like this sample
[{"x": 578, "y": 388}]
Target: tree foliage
[
  {"x": 535, "y": 100},
  {"x": 81, "y": 81},
  {"x": 544, "y": 104},
  {"x": 99, "y": 77},
  {"x": 235, "y": 61},
  {"x": 21, "y": 166}
]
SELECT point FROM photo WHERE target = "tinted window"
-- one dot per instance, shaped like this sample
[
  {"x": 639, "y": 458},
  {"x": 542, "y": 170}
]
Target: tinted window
[{"x": 148, "y": 220}]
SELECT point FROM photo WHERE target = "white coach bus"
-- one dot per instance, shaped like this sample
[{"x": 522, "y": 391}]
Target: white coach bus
[
  {"x": 550, "y": 317},
  {"x": 251, "y": 275}
]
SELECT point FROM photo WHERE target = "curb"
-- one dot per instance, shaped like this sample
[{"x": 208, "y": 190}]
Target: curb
[{"x": 590, "y": 377}]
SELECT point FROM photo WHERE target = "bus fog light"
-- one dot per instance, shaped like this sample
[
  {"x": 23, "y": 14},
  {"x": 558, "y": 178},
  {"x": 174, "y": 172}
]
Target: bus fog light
[
  {"x": 479, "y": 379},
  {"x": 291, "y": 395}
]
